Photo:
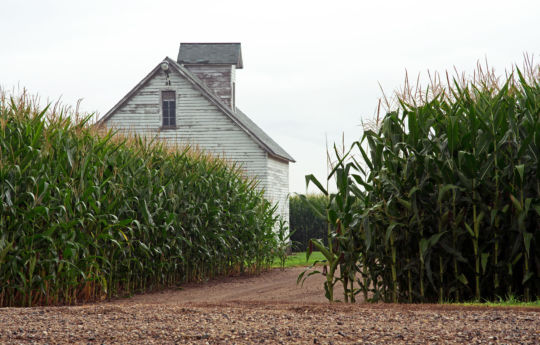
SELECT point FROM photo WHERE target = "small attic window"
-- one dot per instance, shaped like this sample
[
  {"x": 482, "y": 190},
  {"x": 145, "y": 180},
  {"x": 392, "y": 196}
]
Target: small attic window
[{"x": 168, "y": 99}]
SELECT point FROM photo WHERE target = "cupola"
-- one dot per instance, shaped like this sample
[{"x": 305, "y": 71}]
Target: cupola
[{"x": 215, "y": 64}]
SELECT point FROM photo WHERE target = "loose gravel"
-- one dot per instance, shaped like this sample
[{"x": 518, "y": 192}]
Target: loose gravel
[{"x": 165, "y": 318}]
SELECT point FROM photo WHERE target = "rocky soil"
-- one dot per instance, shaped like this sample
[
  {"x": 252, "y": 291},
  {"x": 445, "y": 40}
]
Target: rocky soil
[{"x": 269, "y": 309}]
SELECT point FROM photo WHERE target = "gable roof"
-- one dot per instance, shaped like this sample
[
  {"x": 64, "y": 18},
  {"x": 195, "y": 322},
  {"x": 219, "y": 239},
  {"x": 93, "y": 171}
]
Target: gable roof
[
  {"x": 210, "y": 53},
  {"x": 238, "y": 117},
  {"x": 257, "y": 131}
]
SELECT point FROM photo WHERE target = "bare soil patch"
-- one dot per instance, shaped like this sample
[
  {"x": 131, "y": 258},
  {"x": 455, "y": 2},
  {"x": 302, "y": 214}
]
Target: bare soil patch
[
  {"x": 268, "y": 309},
  {"x": 272, "y": 286}
]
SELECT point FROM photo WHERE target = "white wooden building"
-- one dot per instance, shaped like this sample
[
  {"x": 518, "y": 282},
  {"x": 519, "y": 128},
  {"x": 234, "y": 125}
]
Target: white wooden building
[{"x": 192, "y": 101}]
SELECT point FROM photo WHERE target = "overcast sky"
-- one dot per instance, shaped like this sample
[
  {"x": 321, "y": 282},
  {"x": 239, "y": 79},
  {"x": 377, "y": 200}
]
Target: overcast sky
[{"x": 312, "y": 69}]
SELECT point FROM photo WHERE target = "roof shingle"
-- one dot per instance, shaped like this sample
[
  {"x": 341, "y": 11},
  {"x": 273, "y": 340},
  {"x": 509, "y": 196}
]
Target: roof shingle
[{"x": 210, "y": 53}]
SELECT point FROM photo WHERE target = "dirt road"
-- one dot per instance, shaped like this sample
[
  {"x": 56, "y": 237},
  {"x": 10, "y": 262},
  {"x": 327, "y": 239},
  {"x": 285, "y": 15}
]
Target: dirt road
[
  {"x": 273, "y": 286},
  {"x": 269, "y": 309}
]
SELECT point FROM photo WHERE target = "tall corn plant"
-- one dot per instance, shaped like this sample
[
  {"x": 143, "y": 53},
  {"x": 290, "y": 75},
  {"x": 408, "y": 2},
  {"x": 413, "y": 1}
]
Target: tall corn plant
[{"x": 343, "y": 243}]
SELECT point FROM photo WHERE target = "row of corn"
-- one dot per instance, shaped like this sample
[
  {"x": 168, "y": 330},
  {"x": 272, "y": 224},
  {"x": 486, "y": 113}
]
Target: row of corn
[
  {"x": 441, "y": 201},
  {"x": 304, "y": 222},
  {"x": 86, "y": 215}
]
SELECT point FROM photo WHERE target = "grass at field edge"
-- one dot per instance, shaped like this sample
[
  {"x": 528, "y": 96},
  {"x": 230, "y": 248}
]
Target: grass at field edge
[{"x": 299, "y": 260}]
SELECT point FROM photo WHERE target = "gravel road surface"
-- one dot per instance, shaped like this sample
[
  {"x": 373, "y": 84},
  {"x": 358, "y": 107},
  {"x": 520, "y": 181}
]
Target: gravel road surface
[{"x": 269, "y": 309}]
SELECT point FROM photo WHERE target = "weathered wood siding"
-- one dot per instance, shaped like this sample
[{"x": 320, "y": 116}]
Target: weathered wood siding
[
  {"x": 219, "y": 78},
  {"x": 198, "y": 122},
  {"x": 277, "y": 185}
]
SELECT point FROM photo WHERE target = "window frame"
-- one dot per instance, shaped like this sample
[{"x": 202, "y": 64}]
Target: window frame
[{"x": 162, "y": 109}]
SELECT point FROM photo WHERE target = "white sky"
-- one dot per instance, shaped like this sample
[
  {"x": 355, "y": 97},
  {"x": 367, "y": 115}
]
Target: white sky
[{"x": 311, "y": 68}]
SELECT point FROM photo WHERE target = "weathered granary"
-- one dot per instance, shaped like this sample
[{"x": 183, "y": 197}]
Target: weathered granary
[{"x": 192, "y": 101}]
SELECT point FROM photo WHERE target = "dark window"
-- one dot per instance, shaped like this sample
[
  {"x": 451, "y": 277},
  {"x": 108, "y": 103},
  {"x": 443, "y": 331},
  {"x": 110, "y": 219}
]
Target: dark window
[{"x": 169, "y": 108}]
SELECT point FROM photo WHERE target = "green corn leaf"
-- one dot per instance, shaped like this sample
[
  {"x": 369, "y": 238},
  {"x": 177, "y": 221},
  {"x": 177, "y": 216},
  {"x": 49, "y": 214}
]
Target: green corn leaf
[
  {"x": 434, "y": 239},
  {"x": 443, "y": 190},
  {"x": 452, "y": 131},
  {"x": 463, "y": 279},
  {"x": 527, "y": 205},
  {"x": 390, "y": 229},
  {"x": 334, "y": 264},
  {"x": 301, "y": 277},
  {"x": 412, "y": 191},
  {"x": 314, "y": 207},
  {"x": 521, "y": 171},
  {"x": 424, "y": 243},
  {"x": 429, "y": 272},
  {"x": 123, "y": 234},
  {"x": 311, "y": 178},
  {"x": 332, "y": 216},
  {"x": 516, "y": 203},
  {"x": 364, "y": 155},
  {"x": 527, "y": 238},
  {"x": 527, "y": 277},
  {"x": 493, "y": 214},
  {"x": 339, "y": 164},
  {"x": 480, "y": 217},
  {"x": 471, "y": 232},
  {"x": 516, "y": 259},
  {"x": 405, "y": 203},
  {"x": 484, "y": 260},
  {"x": 322, "y": 248},
  {"x": 459, "y": 257},
  {"x": 5, "y": 247}
]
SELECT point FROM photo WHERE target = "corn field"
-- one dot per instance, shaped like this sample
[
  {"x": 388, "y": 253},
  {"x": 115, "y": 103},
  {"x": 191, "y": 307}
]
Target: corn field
[
  {"x": 87, "y": 215},
  {"x": 441, "y": 201},
  {"x": 305, "y": 223}
]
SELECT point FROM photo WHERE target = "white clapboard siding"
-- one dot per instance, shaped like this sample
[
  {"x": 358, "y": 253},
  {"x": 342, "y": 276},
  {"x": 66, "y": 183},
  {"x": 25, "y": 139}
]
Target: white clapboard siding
[
  {"x": 277, "y": 185},
  {"x": 199, "y": 122}
]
